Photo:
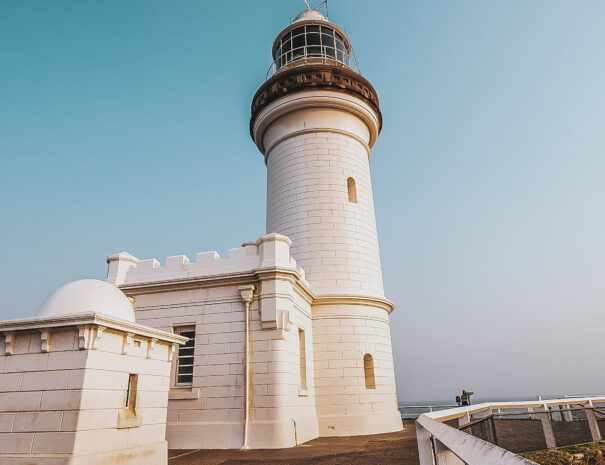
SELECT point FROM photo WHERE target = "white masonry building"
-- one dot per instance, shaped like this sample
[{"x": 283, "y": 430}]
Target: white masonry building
[{"x": 288, "y": 337}]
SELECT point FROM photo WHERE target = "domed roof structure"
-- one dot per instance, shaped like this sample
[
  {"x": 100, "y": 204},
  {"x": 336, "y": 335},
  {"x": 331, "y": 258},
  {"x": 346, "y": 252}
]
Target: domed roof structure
[
  {"x": 86, "y": 296},
  {"x": 310, "y": 15}
]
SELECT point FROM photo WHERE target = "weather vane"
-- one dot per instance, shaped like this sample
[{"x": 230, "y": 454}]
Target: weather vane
[{"x": 307, "y": 3}]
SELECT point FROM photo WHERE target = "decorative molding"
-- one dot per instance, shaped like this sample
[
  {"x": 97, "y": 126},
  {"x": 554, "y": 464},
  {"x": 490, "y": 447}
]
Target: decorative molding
[
  {"x": 83, "y": 337},
  {"x": 210, "y": 281},
  {"x": 45, "y": 340},
  {"x": 283, "y": 320},
  {"x": 282, "y": 324},
  {"x": 171, "y": 351},
  {"x": 127, "y": 343},
  {"x": 247, "y": 293},
  {"x": 367, "y": 348},
  {"x": 98, "y": 334},
  {"x": 347, "y": 299},
  {"x": 151, "y": 343},
  {"x": 182, "y": 394},
  {"x": 335, "y": 77},
  {"x": 85, "y": 321},
  {"x": 9, "y": 343}
]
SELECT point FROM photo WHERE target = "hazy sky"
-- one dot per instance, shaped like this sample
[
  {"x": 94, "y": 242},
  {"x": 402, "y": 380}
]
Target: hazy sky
[{"x": 124, "y": 126}]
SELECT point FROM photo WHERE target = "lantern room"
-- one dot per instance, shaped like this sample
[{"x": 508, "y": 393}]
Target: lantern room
[{"x": 311, "y": 37}]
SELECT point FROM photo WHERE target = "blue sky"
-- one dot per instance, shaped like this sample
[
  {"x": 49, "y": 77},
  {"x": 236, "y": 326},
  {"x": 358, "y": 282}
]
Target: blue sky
[{"x": 124, "y": 126}]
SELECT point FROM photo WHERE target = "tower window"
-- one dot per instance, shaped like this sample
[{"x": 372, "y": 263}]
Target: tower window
[
  {"x": 302, "y": 358},
  {"x": 368, "y": 369},
  {"x": 184, "y": 360},
  {"x": 131, "y": 394},
  {"x": 352, "y": 190}
]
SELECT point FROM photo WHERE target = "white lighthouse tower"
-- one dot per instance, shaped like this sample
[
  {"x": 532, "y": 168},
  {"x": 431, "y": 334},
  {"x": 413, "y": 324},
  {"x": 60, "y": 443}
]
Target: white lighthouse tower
[{"x": 315, "y": 121}]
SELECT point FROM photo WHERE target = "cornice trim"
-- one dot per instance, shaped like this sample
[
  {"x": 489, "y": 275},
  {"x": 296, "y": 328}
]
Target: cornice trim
[
  {"x": 83, "y": 319},
  {"x": 337, "y": 79},
  {"x": 226, "y": 279},
  {"x": 348, "y": 299}
]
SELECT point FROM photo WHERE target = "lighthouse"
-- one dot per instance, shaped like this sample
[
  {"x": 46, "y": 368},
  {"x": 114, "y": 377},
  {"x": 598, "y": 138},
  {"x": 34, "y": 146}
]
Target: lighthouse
[{"x": 315, "y": 120}]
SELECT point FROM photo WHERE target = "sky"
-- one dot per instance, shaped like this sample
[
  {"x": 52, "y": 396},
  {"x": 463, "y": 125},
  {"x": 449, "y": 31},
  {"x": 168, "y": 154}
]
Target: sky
[{"x": 124, "y": 126}]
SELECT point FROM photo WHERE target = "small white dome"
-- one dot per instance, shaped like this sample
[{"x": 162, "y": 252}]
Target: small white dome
[
  {"x": 87, "y": 296},
  {"x": 308, "y": 15}
]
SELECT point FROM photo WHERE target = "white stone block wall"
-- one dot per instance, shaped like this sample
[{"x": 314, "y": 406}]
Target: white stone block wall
[
  {"x": 211, "y": 413},
  {"x": 334, "y": 240},
  {"x": 63, "y": 405},
  {"x": 283, "y": 414},
  {"x": 39, "y": 396},
  {"x": 104, "y": 387},
  {"x": 313, "y": 142},
  {"x": 342, "y": 335}
]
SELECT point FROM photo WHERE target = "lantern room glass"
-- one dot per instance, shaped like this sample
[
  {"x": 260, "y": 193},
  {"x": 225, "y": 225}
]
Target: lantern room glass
[{"x": 311, "y": 41}]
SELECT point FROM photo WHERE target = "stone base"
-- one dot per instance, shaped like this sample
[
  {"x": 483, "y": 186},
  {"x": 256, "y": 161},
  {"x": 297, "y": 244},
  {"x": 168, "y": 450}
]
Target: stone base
[
  {"x": 354, "y": 425},
  {"x": 156, "y": 454},
  {"x": 205, "y": 435},
  {"x": 276, "y": 434},
  {"x": 281, "y": 434}
]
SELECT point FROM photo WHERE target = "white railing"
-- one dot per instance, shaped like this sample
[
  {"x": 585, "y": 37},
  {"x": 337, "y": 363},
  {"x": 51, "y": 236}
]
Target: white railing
[
  {"x": 441, "y": 444},
  {"x": 410, "y": 412}
]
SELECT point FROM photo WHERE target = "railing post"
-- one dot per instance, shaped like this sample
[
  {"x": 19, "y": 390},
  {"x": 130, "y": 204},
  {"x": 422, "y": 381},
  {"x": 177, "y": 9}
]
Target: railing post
[
  {"x": 425, "y": 446},
  {"x": 445, "y": 456},
  {"x": 566, "y": 411},
  {"x": 463, "y": 420},
  {"x": 592, "y": 422},
  {"x": 549, "y": 434}
]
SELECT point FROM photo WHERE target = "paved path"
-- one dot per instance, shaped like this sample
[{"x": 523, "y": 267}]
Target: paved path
[{"x": 383, "y": 449}]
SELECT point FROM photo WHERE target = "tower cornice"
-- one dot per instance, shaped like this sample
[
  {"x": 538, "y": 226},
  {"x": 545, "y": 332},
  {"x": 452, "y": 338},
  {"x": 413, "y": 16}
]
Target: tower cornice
[{"x": 320, "y": 76}]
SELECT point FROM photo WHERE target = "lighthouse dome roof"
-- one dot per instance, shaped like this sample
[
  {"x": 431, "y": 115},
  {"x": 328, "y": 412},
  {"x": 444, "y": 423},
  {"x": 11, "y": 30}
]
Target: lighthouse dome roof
[
  {"x": 310, "y": 15},
  {"x": 87, "y": 296}
]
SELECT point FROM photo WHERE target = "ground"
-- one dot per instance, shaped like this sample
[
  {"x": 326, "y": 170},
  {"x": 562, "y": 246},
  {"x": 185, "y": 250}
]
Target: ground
[
  {"x": 384, "y": 449},
  {"x": 583, "y": 454}
]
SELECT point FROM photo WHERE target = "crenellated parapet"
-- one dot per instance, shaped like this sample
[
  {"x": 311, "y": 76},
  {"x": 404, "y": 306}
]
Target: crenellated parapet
[{"x": 271, "y": 251}]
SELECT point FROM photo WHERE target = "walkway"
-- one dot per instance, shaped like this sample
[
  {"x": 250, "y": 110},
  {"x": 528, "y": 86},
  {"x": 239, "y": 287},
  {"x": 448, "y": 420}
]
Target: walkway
[{"x": 384, "y": 449}]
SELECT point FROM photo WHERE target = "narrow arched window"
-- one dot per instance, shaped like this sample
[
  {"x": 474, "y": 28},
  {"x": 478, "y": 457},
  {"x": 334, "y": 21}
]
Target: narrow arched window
[
  {"x": 352, "y": 190},
  {"x": 368, "y": 369}
]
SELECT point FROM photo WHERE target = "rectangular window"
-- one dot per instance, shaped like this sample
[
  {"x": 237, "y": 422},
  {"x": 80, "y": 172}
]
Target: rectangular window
[
  {"x": 183, "y": 375},
  {"x": 131, "y": 394},
  {"x": 303, "y": 358}
]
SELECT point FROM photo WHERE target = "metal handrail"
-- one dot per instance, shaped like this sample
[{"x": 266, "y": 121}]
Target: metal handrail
[
  {"x": 287, "y": 60},
  {"x": 430, "y": 408}
]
